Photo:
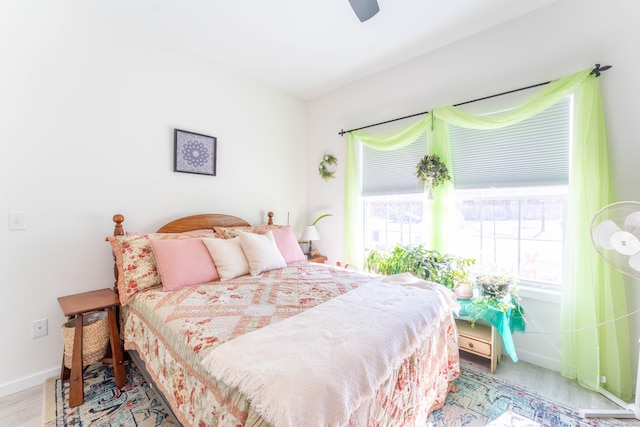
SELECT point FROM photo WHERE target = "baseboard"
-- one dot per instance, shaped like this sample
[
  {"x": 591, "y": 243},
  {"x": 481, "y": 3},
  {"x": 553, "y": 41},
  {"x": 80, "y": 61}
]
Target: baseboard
[
  {"x": 28, "y": 381},
  {"x": 538, "y": 360}
]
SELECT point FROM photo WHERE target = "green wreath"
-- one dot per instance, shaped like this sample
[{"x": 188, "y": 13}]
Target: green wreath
[{"x": 327, "y": 168}]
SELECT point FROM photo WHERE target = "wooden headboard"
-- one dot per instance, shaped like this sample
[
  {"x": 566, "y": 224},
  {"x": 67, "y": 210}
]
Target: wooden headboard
[
  {"x": 188, "y": 223},
  {"x": 193, "y": 222}
]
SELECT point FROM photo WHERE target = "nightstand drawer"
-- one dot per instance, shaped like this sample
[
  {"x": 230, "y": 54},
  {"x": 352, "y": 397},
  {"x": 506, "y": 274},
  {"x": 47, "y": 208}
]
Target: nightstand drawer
[{"x": 474, "y": 346}]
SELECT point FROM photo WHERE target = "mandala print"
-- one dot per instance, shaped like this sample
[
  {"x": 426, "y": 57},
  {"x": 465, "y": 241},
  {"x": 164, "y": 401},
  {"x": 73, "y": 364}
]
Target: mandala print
[{"x": 195, "y": 153}]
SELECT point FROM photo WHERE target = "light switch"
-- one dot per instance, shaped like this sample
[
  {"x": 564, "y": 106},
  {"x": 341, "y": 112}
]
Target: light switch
[{"x": 16, "y": 221}]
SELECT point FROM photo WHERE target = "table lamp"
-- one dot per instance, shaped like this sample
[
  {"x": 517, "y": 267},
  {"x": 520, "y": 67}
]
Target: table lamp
[{"x": 310, "y": 233}]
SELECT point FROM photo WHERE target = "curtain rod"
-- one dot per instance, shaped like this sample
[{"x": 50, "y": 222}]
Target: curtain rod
[{"x": 597, "y": 70}]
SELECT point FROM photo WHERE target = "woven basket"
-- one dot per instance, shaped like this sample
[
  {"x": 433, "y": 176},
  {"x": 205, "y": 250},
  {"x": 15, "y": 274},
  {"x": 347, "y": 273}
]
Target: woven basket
[{"x": 95, "y": 338}]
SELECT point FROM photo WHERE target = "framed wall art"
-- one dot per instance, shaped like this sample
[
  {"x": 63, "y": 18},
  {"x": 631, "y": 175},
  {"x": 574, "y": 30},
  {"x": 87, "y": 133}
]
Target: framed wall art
[{"x": 194, "y": 153}]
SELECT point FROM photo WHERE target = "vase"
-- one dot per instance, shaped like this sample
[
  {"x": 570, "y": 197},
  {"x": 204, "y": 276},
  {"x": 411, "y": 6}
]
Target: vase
[{"x": 463, "y": 291}]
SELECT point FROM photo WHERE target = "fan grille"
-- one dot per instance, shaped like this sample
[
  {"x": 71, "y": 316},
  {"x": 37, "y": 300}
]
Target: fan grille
[{"x": 615, "y": 233}]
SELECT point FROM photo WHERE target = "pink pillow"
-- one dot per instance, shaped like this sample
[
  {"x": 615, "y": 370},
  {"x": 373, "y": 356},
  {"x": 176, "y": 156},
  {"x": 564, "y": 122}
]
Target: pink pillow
[
  {"x": 183, "y": 263},
  {"x": 287, "y": 244}
]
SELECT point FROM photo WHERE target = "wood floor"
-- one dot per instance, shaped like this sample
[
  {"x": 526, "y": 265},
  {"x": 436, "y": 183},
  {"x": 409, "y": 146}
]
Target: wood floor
[
  {"x": 550, "y": 384},
  {"x": 24, "y": 409}
]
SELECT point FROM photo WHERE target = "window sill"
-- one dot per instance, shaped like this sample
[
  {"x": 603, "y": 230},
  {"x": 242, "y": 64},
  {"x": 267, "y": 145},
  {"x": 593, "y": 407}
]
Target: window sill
[{"x": 540, "y": 294}]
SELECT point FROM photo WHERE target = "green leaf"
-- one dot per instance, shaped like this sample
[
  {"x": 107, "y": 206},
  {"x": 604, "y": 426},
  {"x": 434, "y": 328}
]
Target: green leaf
[{"x": 319, "y": 218}]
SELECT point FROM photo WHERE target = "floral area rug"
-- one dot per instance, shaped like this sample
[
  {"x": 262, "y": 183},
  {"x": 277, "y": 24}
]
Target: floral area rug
[
  {"x": 135, "y": 404},
  {"x": 484, "y": 399}
]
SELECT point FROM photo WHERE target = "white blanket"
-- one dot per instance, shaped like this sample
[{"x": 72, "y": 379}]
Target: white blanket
[{"x": 298, "y": 374}]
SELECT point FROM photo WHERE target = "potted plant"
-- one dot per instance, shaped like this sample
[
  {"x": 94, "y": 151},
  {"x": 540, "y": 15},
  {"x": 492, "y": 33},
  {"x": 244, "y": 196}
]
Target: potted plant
[
  {"x": 494, "y": 285},
  {"x": 402, "y": 259},
  {"x": 431, "y": 171},
  {"x": 448, "y": 270},
  {"x": 496, "y": 292}
]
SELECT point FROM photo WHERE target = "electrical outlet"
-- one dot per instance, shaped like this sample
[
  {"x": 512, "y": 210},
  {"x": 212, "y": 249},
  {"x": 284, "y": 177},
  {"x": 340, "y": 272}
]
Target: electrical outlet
[
  {"x": 16, "y": 221},
  {"x": 40, "y": 328}
]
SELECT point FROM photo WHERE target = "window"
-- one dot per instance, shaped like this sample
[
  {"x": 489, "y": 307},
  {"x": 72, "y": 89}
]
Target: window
[
  {"x": 511, "y": 188},
  {"x": 519, "y": 230},
  {"x": 393, "y": 219},
  {"x": 393, "y": 199}
]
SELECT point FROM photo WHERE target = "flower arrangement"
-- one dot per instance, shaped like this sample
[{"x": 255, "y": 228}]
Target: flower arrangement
[
  {"x": 431, "y": 170},
  {"x": 328, "y": 166}
]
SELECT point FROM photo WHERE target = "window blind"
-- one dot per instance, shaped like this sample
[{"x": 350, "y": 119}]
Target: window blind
[
  {"x": 534, "y": 152},
  {"x": 392, "y": 172}
]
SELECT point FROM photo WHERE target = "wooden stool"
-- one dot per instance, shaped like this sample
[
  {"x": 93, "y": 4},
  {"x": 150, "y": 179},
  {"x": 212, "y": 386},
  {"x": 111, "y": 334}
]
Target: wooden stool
[{"x": 76, "y": 305}]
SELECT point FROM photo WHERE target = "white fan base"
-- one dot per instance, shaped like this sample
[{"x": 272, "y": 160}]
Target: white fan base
[{"x": 631, "y": 410}]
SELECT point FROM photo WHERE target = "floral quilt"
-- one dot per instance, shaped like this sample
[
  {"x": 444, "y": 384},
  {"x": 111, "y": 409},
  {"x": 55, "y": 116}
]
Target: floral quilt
[{"x": 173, "y": 332}]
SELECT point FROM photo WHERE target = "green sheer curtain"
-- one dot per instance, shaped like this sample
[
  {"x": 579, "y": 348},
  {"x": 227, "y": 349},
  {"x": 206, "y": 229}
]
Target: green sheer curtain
[
  {"x": 352, "y": 210},
  {"x": 443, "y": 195},
  {"x": 593, "y": 293}
]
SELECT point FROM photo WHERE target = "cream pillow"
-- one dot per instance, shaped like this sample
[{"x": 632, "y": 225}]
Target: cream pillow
[
  {"x": 261, "y": 252},
  {"x": 228, "y": 257}
]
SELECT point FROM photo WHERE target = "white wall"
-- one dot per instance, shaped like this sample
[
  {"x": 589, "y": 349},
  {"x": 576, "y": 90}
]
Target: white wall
[
  {"x": 562, "y": 38},
  {"x": 86, "y": 129}
]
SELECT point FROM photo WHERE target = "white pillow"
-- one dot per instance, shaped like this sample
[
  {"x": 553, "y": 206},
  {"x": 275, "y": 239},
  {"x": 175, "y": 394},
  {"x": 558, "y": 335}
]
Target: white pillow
[
  {"x": 228, "y": 257},
  {"x": 261, "y": 252}
]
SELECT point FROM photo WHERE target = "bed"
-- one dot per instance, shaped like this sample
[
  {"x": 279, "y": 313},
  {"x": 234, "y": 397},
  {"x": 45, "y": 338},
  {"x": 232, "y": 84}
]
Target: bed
[{"x": 273, "y": 342}]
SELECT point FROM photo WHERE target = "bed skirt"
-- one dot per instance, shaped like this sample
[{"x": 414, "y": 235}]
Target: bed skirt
[{"x": 412, "y": 391}]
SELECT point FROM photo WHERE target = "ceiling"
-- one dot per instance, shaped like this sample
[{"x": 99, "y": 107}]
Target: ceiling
[{"x": 303, "y": 47}]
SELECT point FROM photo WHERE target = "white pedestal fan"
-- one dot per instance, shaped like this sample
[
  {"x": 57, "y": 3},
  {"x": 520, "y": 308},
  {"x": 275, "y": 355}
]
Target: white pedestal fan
[{"x": 615, "y": 233}]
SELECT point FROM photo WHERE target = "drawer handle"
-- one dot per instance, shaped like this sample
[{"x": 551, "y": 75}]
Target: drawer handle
[{"x": 470, "y": 345}]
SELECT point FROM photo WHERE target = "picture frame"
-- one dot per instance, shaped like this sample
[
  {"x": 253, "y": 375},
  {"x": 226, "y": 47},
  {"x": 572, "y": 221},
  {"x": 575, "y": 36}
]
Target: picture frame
[{"x": 194, "y": 153}]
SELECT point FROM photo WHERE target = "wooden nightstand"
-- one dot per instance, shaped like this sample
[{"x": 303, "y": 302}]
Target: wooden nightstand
[
  {"x": 76, "y": 305},
  {"x": 320, "y": 259},
  {"x": 482, "y": 340}
]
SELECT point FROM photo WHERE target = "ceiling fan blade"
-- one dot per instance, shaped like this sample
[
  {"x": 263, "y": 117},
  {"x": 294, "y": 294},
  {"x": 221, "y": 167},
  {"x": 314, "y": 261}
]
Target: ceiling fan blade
[{"x": 365, "y": 9}]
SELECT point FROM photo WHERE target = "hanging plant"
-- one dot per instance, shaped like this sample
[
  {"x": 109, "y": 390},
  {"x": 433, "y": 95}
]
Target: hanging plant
[
  {"x": 328, "y": 166},
  {"x": 432, "y": 171}
]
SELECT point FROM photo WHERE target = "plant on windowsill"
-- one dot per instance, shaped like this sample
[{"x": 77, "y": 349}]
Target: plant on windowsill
[
  {"x": 431, "y": 171},
  {"x": 448, "y": 270}
]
